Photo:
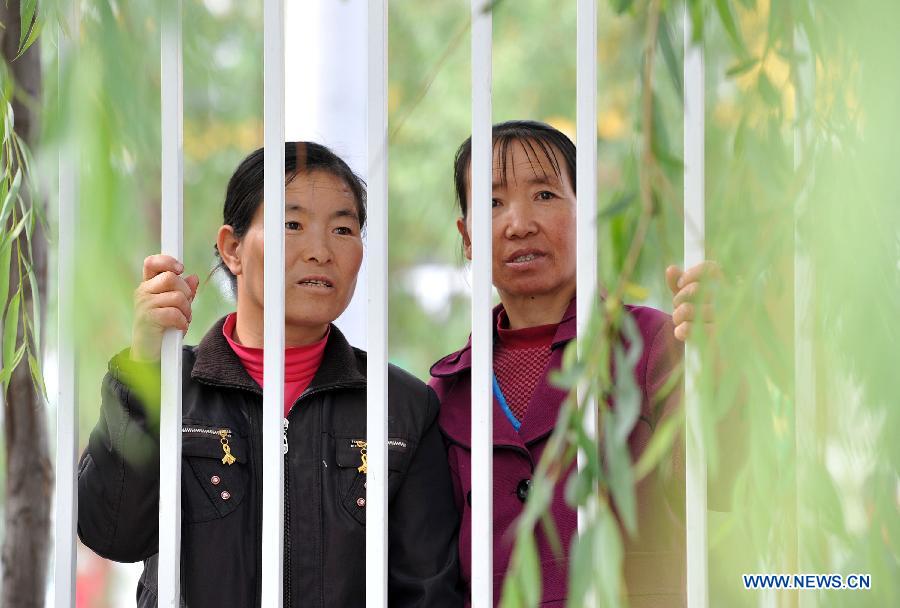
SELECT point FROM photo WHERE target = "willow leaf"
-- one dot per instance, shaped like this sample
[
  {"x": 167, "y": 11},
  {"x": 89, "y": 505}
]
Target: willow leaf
[
  {"x": 10, "y": 366},
  {"x": 696, "y": 9},
  {"x": 620, "y": 6},
  {"x": 35, "y": 308},
  {"x": 5, "y": 256},
  {"x": 522, "y": 587},
  {"x": 621, "y": 479},
  {"x": 726, "y": 15},
  {"x": 742, "y": 67},
  {"x": 37, "y": 375},
  {"x": 673, "y": 66},
  {"x": 581, "y": 566},
  {"x": 10, "y": 198},
  {"x": 607, "y": 548},
  {"x": 659, "y": 446},
  {"x": 27, "y": 23},
  {"x": 11, "y": 326}
]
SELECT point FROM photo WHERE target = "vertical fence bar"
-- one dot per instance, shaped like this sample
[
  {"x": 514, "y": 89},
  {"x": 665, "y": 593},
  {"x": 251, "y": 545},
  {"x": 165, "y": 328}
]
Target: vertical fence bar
[
  {"x": 804, "y": 352},
  {"x": 171, "y": 241},
  {"x": 274, "y": 424},
  {"x": 694, "y": 235},
  {"x": 482, "y": 332},
  {"x": 376, "y": 362},
  {"x": 66, "y": 491},
  {"x": 586, "y": 195}
]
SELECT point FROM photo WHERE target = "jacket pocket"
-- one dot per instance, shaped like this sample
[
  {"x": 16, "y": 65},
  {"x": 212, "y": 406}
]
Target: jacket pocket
[
  {"x": 351, "y": 456},
  {"x": 215, "y": 471}
]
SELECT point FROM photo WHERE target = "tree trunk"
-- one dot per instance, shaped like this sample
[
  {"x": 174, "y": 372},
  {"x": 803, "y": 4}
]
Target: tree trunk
[{"x": 29, "y": 475}]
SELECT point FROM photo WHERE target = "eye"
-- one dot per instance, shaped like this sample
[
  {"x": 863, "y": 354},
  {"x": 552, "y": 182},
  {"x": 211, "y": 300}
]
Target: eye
[
  {"x": 495, "y": 202},
  {"x": 344, "y": 230},
  {"x": 544, "y": 195},
  {"x": 292, "y": 225}
]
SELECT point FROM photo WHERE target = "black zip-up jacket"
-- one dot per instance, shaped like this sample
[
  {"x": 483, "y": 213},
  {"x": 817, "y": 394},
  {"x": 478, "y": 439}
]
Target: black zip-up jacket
[{"x": 325, "y": 515}]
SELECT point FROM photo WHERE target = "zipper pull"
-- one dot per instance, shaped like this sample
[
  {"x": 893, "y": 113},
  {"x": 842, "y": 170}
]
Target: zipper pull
[
  {"x": 223, "y": 439},
  {"x": 284, "y": 445},
  {"x": 363, "y": 447}
]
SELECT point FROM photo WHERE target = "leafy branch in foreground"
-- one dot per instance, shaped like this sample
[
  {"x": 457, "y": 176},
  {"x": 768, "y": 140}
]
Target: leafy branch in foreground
[
  {"x": 18, "y": 218},
  {"x": 753, "y": 45}
]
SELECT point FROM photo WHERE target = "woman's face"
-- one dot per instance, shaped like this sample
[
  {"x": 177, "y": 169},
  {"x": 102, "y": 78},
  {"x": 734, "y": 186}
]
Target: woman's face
[
  {"x": 534, "y": 247},
  {"x": 323, "y": 252}
]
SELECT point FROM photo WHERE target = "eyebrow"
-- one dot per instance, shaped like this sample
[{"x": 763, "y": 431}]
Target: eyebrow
[
  {"x": 548, "y": 180},
  {"x": 345, "y": 212}
]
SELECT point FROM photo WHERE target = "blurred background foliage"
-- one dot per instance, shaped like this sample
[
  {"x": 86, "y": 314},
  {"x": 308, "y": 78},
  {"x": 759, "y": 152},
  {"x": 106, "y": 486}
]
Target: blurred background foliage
[{"x": 801, "y": 131}]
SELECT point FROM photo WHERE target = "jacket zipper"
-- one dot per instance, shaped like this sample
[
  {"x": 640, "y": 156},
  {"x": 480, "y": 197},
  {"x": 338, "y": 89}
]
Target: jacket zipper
[
  {"x": 254, "y": 413},
  {"x": 287, "y": 519},
  {"x": 195, "y": 430},
  {"x": 223, "y": 434}
]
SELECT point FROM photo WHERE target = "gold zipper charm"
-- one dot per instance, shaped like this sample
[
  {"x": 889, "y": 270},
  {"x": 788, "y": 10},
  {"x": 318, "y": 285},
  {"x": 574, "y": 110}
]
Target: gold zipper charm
[
  {"x": 362, "y": 445},
  {"x": 223, "y": 439}
]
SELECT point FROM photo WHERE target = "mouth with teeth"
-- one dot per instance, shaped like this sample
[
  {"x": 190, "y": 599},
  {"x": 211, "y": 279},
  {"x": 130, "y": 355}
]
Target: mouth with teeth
[
  {"x": 315, "y": 283},
  {"x": 524, "y": 259}
]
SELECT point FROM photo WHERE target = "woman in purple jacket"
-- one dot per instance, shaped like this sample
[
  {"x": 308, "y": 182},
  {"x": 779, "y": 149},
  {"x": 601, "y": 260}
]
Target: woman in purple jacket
[{"x": 534, "y": 263}]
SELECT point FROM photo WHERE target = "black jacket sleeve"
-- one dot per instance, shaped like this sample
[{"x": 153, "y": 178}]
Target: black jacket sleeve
[
  {"x": 118, "y": 476},
  {"x": 423, "y": 527}
]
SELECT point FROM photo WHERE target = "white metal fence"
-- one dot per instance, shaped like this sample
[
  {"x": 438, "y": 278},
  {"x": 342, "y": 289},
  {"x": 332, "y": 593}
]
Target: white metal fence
[
  {"x": 274, "y": 425},
  {"x": 694, "y": 232}
]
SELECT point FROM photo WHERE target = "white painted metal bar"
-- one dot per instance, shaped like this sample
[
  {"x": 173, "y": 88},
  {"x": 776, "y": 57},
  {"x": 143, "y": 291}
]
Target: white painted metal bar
[
  {"x": 804, "y": 352},
  {"x": 694, "y": 236},
  {"x": 482, "y": 332},
  {"x": 274, "y": 423},
  {"x": 586, "y": 186},
  {"x": 376, "y": 362},
  {"x": 66, "y": 472},
  {"x": 171, "y": 240}
]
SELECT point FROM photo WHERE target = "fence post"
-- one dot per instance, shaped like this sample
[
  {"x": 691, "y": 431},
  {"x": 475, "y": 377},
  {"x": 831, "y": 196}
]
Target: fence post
[
  {"x": 376, "y": 362},
  {"x": 274, "y": 430},
  {"x": 66, "y": 490},
  {"x": 694, "y": 235},
  {"x": 806, "y": 449},
  {"x": 482, "y": 332},
  {"x": 586, "y": 195},
  {"x": 170, "y": 360}
]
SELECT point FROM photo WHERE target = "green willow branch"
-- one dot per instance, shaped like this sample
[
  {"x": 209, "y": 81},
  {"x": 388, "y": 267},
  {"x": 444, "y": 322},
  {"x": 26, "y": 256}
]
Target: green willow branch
[
  {"x": 19, "y": 218},
  {"x": 648, "y": 160}
]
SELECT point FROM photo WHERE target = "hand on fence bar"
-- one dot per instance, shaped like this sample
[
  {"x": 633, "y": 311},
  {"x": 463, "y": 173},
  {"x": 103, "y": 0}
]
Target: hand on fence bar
[
  {"x": 162, "y": 301},
  {"x": 686, "y": 286},
  {"x": 700, "y": 282}
]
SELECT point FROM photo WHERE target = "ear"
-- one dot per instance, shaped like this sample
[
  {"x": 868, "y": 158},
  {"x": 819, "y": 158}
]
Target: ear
[
  {"x": 466, "y": 239},
  {"x": 229, "y": 249}
]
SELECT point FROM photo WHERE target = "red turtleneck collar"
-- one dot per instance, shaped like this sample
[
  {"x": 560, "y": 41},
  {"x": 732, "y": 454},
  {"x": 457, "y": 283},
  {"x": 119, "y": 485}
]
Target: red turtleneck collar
[{"x": 300, "y": 362}]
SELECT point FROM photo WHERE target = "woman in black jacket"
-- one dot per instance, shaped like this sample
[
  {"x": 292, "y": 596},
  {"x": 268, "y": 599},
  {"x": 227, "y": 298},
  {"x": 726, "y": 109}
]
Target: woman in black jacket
[{"x": 325, "y": 406}]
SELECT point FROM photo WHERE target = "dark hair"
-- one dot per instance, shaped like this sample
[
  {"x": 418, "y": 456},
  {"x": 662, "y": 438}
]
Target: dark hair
[
  {"x": 245, "y": 188},
  {"x": 533, "y": 135}
]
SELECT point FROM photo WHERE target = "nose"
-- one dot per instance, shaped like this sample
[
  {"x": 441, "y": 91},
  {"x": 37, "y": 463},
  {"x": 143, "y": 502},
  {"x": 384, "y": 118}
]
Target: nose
[
  {"x": 316, "y": 249},
  {"x": 520, "y": 222}
]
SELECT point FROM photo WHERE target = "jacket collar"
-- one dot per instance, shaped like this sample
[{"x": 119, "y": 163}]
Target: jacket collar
[
  {"x": 461, "y": 360},
  {"x": 543, "y": 409},
  {"x": 342, "y": 365},
  {"x": 455, "y": 416}
]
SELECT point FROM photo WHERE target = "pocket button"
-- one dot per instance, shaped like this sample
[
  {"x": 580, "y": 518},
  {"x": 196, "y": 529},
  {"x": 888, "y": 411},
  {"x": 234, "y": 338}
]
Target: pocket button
[{"x": 523, "y": 489}]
